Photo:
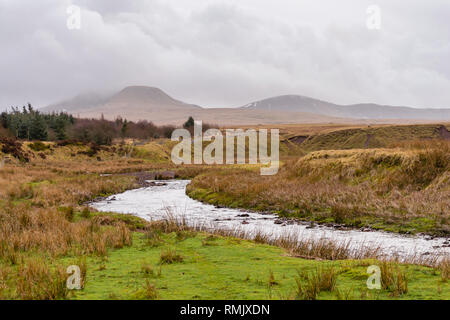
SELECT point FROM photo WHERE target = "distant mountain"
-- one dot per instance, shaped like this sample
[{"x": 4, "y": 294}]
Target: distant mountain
[
  {"x": 153, "y": 104},
  {"x": 296, "y": 103},
  {"x": 80, "y": 102},
  {"x": 131, "y": 99},
  {"x": 148, "y": 98}
]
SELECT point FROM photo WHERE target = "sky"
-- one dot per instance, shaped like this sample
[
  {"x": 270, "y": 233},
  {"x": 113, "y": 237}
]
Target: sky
[{"x": 219, "y": 53}]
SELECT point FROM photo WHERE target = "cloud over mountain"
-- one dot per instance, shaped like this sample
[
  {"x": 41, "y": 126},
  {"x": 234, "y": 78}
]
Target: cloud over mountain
[{"x": 226, "y": 53}]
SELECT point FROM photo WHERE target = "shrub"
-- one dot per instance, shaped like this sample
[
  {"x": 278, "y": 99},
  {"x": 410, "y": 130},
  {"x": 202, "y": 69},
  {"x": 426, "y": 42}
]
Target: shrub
[{"x": 14, "y": 148}]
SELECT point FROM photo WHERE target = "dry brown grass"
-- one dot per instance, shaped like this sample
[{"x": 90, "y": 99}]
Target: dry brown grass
[
  {"x": 50, "y": 231},
  {"x": 42, "y": 214},
  {"x": 37, "y": 281},
  {"x": 4, "y": 276},
  {"x": 401, "y": 189},
  {"x": 39, "y": 202}
]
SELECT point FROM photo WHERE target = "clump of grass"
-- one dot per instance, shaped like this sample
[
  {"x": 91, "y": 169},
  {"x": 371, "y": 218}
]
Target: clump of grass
[
  {"x": 444, "y": 267},
  {"x": 150, "y": 290},
  {"x": 401, "y": 284},
  {"x": 149, "y": 271},
  {"x": 4, "y": 275},
  {"x": 36, "y": 281},
  {"x": 20, "y": 192},
  {"x": 170, "y": 224},
  {"x": 309, "y": 285},
  {"x": 322, "y": 248},
  {"x": 147, "y": 292},
  {"x": 38, "y": 146},
  {"x": 393, "y": 278},
  {"x": 170, "y": 256},
  {"x": 342, "y": 213},
  {"x": 102, "y": 267},
  {"x": 68, "y": 212},
  {"x": 387, "y": 275},
  {"x": 272, "y": 281},
  {"x": 210, "y": 240},
  {"x": 306, "y": 289},
  {"x": 153, "y": 237},
  {"x": 260, "y": 237},
  {"x": 121, "y": 237},
  {"x": 85, "y": 213},
  {"x": 83, "y": 271},
  {"x": 182, "y": 235},
  {"x": 9, "y": 254},
  {"x": 344, "y": 294},
  {"x": 114, "y": 296},
  {"x": 327, "y": 277}
]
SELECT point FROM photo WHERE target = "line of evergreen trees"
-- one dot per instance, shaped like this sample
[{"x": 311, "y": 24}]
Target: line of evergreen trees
[{"x": 30, "y": 124}]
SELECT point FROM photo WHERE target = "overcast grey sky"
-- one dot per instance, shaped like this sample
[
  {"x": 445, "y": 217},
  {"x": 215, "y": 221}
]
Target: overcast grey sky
[{"x": 220, "y": 53}]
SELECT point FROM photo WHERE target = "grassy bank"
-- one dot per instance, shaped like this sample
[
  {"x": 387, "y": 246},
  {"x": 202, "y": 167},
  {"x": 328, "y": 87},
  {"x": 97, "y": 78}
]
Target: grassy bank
[
  {"x": 178, "y": 263},
  {"x": 371, "y": 137},
  {"x": 404, "y": 189},
  {"x": 201, "y": 266}
]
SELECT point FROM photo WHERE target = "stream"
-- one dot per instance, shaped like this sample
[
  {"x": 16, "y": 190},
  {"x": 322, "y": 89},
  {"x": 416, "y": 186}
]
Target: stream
[{"x": 168, "y": 197}]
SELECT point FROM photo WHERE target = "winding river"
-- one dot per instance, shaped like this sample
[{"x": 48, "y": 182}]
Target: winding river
[{"x": 169, "y": 197}]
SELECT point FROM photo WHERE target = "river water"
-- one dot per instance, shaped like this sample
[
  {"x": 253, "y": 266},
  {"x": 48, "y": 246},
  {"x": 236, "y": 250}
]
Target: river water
[{"x": 169, "y": 198}]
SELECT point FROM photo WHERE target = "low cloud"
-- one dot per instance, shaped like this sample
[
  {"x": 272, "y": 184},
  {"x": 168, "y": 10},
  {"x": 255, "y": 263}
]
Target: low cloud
[{"x": 227, "y": 53}]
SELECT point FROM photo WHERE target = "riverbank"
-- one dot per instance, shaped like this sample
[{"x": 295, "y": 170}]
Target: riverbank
[
  {"x": 403, "y": 190},
  {"x": 161, "y": 200},
  {"x": 192, "y": 265}
]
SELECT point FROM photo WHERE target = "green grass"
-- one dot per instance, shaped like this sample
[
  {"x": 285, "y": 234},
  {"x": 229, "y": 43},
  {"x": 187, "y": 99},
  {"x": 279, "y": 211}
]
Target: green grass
[{"x": 232, "y": 269}]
